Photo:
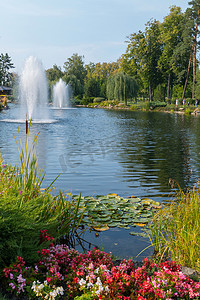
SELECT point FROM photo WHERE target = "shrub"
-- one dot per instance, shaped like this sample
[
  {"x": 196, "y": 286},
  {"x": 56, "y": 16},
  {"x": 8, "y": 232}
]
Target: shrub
[
  {"x": 98, "y": 100},
  {"x": 155, "y": 104}
]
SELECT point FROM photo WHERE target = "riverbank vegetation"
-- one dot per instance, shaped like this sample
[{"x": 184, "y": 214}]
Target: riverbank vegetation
[{"x": 175, "y": 230}]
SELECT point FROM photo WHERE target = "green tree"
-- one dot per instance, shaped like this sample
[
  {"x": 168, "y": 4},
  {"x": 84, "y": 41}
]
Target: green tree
[
  {"x": 130, "y": 61},
  {"x": 193, "y": 13},
  {"x": 54, "y": 74},
  {"x": 170, "y": 36},
  {"x": 75, "y": 73},
  {"x": 121, "y": 87},
  {"x": 6, "y": 64},
  {"x": 97, "y": 75},
  {"x": 150, "y": 54},
  {"x": 92, "y": 88},
  {"x": 142, "y": 56}
]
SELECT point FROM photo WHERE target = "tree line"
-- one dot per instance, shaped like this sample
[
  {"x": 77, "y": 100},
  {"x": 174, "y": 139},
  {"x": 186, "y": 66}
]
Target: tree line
[{"x": 160, "y": 63}]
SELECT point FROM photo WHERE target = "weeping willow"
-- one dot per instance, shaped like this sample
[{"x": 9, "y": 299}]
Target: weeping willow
[{"x": 121, "y": 87}]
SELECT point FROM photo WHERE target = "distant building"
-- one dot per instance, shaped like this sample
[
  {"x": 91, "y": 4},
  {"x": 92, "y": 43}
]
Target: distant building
[{"x": 5, "y": 91}]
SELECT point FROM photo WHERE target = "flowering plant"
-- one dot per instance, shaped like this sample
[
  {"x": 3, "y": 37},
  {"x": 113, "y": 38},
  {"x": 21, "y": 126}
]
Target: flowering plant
[
  {"x": 46, "y": 291},
  {"x": 15, "y": 276},
  {"x": 92, "y": 275}
]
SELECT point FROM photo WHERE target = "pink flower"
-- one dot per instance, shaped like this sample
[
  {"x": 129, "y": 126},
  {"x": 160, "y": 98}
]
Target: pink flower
[{"x": 12, "y": 285}]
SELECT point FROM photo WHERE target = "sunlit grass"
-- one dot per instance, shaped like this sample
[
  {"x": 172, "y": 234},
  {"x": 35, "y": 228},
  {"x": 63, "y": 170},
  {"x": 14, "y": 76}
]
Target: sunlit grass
[{"x": 175, "y": 230}]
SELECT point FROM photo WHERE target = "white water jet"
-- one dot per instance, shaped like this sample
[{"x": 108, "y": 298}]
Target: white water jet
[
  {"x": 34, "y": 90},
  {"x": 61, "y": 94}
]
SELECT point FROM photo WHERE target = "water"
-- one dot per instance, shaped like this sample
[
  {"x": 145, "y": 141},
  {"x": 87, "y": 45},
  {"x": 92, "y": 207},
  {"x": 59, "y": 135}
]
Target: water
[
  {"x": 101, "y": 151},
  {"x": 61, "y": 94}
]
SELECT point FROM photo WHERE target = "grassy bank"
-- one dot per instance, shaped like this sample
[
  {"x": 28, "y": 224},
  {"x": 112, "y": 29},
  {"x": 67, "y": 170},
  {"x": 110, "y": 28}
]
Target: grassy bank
[{"x": 145, "y": 105}]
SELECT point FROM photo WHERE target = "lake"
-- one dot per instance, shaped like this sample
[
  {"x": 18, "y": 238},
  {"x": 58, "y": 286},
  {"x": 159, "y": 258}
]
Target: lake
[{"x": 99, "y": 151}]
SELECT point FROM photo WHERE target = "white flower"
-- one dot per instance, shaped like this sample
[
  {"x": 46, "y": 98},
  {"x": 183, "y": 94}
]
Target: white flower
[
  {"x": 89, "y": 285},
  {"x": 107, "y": 289},
  {"x": 82, "y": 282},
  {"x": 60, "y": 290}
]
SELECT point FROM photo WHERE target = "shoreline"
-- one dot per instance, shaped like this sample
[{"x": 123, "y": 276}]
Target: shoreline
[{"x": 193, "y": 111}]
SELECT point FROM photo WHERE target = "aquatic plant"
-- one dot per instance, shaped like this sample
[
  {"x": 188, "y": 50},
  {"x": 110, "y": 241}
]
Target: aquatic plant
[
  {"x": 25, "y": 208},
  {"x": 108, "y": 211},
  {"x": 175, "y": 230}
]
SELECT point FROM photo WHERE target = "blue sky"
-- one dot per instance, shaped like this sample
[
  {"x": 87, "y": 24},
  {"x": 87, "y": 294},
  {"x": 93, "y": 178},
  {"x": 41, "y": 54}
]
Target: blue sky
[{"x": 52, "y": 30}]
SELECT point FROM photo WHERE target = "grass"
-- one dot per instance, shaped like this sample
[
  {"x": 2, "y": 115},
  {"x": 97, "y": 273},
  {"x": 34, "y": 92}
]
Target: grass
[
  {"x": 175, "y": 230},
  {"x": 26, "y": 208}
]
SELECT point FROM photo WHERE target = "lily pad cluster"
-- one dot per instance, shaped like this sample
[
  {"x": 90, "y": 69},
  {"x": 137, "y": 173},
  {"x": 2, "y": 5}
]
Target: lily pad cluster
[{"x": 104, "y": 212}]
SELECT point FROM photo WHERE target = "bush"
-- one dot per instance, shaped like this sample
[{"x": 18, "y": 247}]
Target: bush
[
  {"x": 98, "y": 100},
  {"x": 155, "y": 104},
  {"x": 86, "y": 100}
]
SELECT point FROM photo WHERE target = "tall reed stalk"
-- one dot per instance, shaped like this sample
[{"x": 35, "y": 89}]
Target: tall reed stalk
[{"x": 175, "y": 230}]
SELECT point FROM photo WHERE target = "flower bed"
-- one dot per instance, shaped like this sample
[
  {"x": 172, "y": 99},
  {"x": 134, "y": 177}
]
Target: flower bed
[{"x": 65, "y": 273}]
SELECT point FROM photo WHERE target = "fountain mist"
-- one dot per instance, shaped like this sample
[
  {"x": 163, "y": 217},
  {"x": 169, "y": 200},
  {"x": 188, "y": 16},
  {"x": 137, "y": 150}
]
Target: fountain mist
[
  {"x": 61, "y": 94},
  {"x": 34, "y": 90}
]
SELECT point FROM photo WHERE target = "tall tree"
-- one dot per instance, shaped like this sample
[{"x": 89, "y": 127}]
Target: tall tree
[
  {"x": 74, "y": 73},
  {"x": 142, "y": 55},
  {"x": 192, "y": 23},
  {"x": 170, "y": 36},
  {"x": 195, "y": 13},
  {"x": 150, "y": 54},
  {"x": 130, "y": 61},
  {"x": 5, "y": 65}
]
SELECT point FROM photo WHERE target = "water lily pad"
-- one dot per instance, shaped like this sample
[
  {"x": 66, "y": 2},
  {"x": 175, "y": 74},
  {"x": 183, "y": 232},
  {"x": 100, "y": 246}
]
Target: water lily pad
[
  {"x": 140, "y": 224},
  {"x": 100, "y": 228}
]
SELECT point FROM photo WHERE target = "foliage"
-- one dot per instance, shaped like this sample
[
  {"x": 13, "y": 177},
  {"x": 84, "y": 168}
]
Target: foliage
[
  {"x": 155, "y": 104},
  {"x": 93, "y": 276},
  {"x": 25, "y": 208},
  {"x": 54, "y": 74},
  {"x": 104, "y": 212},
  {"x": 170, "y": 35},
  {"x": 92, "y": 88},
  {"x": 98, "y": 99},
  {"x": 74, "y": 73},
  {"x": 121, "y": 87},
  {"x": 6, "y": 64},
  {"x": 175, "y": 231}
]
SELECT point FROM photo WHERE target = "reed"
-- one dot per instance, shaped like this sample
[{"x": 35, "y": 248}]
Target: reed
[
  {"x": 175, "y": 230},
  {"x": 26, "y": 208}
]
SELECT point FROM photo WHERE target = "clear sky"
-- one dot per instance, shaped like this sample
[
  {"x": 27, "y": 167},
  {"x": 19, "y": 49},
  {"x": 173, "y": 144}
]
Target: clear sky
[{"x": 52, "y": 30}]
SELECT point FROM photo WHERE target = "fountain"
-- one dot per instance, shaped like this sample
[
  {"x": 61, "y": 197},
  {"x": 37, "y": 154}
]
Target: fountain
[
  {"x": 33, "y": 91},
  {"x": 61, "y": 94}
]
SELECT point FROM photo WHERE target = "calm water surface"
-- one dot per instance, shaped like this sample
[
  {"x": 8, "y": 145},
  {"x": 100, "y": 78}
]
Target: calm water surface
[{"x": 101, "y": 151}]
